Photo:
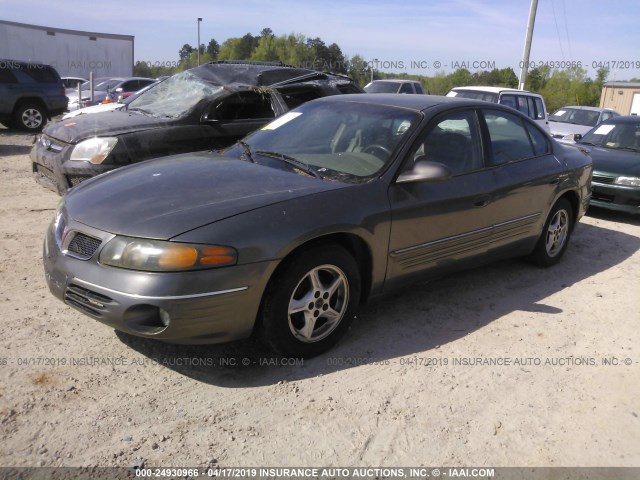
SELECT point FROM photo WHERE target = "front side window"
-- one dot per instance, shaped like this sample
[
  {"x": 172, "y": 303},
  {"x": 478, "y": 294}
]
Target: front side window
[
  {"x": 453, "y": 141},
  {"x": 244, "y": 106},
  {"x": 509, "y": 139}
]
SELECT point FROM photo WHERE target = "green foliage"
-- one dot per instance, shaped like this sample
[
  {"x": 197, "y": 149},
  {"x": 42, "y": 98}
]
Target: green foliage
[
  {"x": 567, "y": 87},
  {"x": 560, "y": 88}
]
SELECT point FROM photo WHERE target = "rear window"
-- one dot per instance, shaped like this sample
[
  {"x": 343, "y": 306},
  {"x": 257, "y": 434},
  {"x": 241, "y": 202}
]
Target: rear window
[
  {"x": 32, "y": 73},
  {"x": 477, "y": 95}
]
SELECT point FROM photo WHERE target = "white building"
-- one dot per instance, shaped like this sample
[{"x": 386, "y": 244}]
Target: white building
[{"x": 72, "y": 53}]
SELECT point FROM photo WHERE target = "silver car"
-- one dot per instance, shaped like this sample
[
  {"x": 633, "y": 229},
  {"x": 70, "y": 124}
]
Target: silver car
[{"x": 573, "y": 120}]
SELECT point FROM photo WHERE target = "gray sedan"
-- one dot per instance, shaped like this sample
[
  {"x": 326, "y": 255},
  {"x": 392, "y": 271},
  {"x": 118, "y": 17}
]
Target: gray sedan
[{"x": 287, "y": 232}]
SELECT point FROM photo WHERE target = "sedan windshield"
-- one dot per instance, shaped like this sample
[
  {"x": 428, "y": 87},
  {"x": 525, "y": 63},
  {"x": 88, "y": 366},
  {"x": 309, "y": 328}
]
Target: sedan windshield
[
  {"x": 623, "y": 136},
  {"x": 174, "y": 97},
  {"x": 576, "y": 116},
  {"x": 347, "y": 141}
]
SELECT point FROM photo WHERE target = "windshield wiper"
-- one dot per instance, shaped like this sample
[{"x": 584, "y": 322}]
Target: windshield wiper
[
  {"x": 291, "y": 161},
  {"x": 246, "y": 151}
]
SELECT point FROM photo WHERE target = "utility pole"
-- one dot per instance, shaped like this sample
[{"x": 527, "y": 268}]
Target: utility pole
[
  {"x": 527, "y": 44},
  {"x": 198, "y": 46}
]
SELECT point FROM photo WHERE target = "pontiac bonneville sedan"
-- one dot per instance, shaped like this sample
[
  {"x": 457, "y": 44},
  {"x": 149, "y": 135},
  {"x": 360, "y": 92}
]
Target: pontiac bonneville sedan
[{"x": 286, "y": 233}]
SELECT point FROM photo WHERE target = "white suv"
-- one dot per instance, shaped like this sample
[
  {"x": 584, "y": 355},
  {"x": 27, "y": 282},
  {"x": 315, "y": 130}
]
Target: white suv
[{"x": 529, "y": 103}]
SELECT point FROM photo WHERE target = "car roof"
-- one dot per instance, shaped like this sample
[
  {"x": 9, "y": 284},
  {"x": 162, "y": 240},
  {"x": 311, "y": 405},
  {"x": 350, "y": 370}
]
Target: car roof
[
  {"x": 259, "y": 73},
  {"x": 394, "y": 80},
  {"x": 631, "y": 119},
  {"x": 413, "y": 102},
  {"x": 585, "y": 107},
  {"x": 493, "y": 89}
]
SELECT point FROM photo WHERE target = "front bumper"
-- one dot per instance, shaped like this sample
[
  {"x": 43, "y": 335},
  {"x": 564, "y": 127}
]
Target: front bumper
[
  {"x": 52, "y": 169},
  {"x": 615, "y": 197},
  {"x": 201, "y": 307}
]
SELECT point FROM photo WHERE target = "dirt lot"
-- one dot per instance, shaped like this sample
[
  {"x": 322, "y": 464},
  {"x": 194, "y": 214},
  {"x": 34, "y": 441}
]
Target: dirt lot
[{"x": 412, "y": 383}]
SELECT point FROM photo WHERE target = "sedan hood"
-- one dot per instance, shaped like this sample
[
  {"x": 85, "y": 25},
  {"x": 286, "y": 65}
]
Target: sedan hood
[
  {"x": 562, "y": 128},
  {"x": 106, "y": 124},
  {"x": 166, "y": 197},
  {"x": 616, "y": 162}
]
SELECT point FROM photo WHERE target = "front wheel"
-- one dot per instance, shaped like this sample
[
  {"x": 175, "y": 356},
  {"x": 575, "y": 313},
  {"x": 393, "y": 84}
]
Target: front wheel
[
  {"x": 555, "y": 235},
  {"x": 310, "y": 303}
]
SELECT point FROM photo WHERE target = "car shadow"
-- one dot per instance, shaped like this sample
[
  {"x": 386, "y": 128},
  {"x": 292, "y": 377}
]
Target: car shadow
[
  {"x": 416, "y": 321},
  {"x": 26, "y": 140},
  {"x": 613, "y": 215}
]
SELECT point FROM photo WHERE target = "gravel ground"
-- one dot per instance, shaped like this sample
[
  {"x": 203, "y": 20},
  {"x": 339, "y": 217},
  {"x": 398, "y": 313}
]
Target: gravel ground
[{"x": 507, "y": 365}]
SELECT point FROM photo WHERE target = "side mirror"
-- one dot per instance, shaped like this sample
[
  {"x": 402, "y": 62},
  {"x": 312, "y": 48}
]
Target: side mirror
[
  {"x": 425, "y": 171},
  {"x": 119, "y": 90}
]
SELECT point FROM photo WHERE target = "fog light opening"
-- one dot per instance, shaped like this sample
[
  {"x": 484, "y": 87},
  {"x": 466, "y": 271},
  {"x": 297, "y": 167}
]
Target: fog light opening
[{"x": 146, "y": 319}]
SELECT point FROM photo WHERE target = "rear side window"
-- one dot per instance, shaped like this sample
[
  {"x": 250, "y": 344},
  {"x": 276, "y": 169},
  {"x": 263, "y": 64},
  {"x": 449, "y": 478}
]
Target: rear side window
[
  {"x": 40, "y": 73},
  {"x": 509, "y": 139},
  {"x": 418, "y": 88},
  {"x": 539, "y": 140},
  {"x": 540, "y": 113},
  {"x": 6, "y": 76},
  {"x": 406, "y": 88}
]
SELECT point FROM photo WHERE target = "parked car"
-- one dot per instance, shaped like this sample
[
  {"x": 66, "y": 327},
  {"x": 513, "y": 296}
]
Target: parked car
[
  {"x": 210, "y": 106},
  {"x": 106, "y": 90},
  {"x": 30, "y": 94},
  {"x": 529, "y": 103},
  {"x": 614, "y": 146},
  {"x": 107, "y": 107},
  {"x": 577, "y": 119},
  {"x": 206, "y": 248},
  {"x": 394, "y": 86},
  {"x": 71, "y": 83}
]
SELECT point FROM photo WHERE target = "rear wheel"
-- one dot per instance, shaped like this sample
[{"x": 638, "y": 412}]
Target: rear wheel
[
  {"x": 310, "y": 303},
  {"x": 30, "y": 117},
  {"x": 555, "y": 235}
]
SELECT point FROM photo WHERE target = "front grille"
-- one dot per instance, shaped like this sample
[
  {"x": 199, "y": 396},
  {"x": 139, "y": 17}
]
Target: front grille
[
  {"x": 92, "y": 303},
  {"x": 606, "y": 179},
  {"x": 83, "y": 246},
  {"x": 45, "y": 172},
  {"x": 76, "y": 179}
]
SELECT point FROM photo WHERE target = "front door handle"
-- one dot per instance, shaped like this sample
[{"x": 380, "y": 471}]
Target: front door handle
[{"x": 482, "y": 201}]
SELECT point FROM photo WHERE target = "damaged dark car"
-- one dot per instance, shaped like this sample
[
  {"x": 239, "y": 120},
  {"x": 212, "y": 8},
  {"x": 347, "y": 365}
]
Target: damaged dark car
[{"x": 208, "y": 107}]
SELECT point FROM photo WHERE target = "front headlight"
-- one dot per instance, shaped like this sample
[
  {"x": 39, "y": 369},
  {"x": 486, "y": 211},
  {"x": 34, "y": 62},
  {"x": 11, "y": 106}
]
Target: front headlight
[
  {"x": 628, "y": 181},
  {"x": 160, "y": 256},
  {"x": 94, "y": 150}
]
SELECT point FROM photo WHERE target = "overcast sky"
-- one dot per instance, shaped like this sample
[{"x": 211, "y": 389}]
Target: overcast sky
[{"x": 414, "y": 36}]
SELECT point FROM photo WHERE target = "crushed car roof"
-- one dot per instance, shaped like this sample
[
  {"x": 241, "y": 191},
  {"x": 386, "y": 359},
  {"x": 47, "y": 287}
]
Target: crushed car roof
[{"x": 260, "y": 73}]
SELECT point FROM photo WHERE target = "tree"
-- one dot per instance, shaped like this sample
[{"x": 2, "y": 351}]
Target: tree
[
  {"x": 185, "y": 51},
  {"x": 359, "y": 70},
  {"x": 266, "y": 32},
  {"x": 213, "y": 49}
]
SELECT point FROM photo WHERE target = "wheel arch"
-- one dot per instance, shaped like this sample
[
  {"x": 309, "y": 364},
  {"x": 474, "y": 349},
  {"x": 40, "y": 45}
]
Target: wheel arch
[
  {"x": 353, "y": 244},
  {"x": 574, "y": 200},
  {"x": 34, "y": 100}
]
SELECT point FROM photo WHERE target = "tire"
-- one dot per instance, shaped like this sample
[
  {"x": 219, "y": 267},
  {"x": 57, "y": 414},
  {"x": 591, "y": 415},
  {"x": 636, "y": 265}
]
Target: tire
[
  {"x": 555, "y": 235},
  {"x": 30, "y": 117},
  {"x": 310, "y": 303}
]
